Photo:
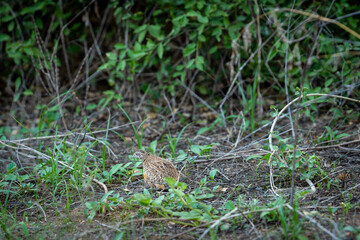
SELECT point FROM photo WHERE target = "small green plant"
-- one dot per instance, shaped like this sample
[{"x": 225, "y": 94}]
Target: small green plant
[
  {"x": 202, "y": 150},
  {"x": 212, "y": 173},
  {"x": 219, "y": 121},
  {"x": 93, "y": 207},
  {"x": 173, "y": 142},
  {"x": 177, "y": 203},
  {"x": 307, "y": 166},
  {"x": 152, "y": 147},
  {"x": 331, "y": 136},
  {"x": 123, "y": 170},
  {"x": 137, "y": 132},
  {"x": 104, "y": 102},
  {"x": 291, "y": 224}
]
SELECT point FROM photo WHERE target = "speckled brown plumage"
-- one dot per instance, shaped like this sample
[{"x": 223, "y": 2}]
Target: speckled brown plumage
[{"x": 155, "y": 169}]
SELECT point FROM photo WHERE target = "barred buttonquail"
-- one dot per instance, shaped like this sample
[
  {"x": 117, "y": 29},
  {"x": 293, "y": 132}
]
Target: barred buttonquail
[{"x": 155, "y": 169}]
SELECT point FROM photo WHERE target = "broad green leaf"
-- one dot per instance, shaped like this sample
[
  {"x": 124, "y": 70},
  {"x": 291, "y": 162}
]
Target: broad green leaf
[
  {"x": 11, "y": 167},
  {"x": 195, "y": 149},
  {"x": 189, "y": 49},
  {"x": 179, "y": 192},
  {"x": 106, "y": 195},
  {"x": 157, "y": 202},
  {"x": 188, "y": 215},
  {"x": 122, "y": 65},
  {"x": 170, "y": 181},
  {"x": 190, "y": 64},
  {"x": 217, "y": 33},
  {"x": 111, "y": 55},
  {"x": 199, "y": 61},
  {"x": 11, "y": 26},
  {"x": 154, "y": 30},
  {"x": 202, "y": 19},
  {"x": 229, "y": 205},
  {"x": 10, "y": 177},
  {"x": 213, "y": 173},
  {"x": 4, "y": 37},
  {"x": 142, "y": 199},
  {"x": 115, "y": 168},
  {"x": 140, "y": 29},
  {"x": 91, "y": 106}
]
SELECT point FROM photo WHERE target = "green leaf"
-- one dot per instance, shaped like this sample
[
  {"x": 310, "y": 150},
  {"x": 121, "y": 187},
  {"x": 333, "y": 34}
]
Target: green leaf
[
  {"x": 140, "y": 29},
  {"x": 188, "y": 215},
  {"x": 203, "y": 130},
  {"x": 182, "y": 185},
  {"x": 193, "y": 13},
  {"x": 213, "y": 50},
  {"x": 202, "y": 38},
  {"x": 115, "y": 168},
  {"x": 217, "y": 33},
  {"x": 11, "y": 26},
  {"x": 195, "y": 149},
  {"x": 199, "y": 61},
  {"x": 157, "y": 202},
  {"x": 142, "y": 199},
  {"x": 122, "y": 65},
  {"x": 160, "y": 50},
  {"x": 254, "y": 156},
  {"x": 179, "y": 192},
  {"x": 120, "y": 235},
  {"x": 179, "y": 22},
  {"x": 189, "y": 49},
  {"x": 111, "y": 55},
  {"x": 106, "y": 195},
  {"x": 341, "y": 135},
  {"x": 272, "y": 54},
  {"x": 119, "y": 46},
  {"x": 91, "y": 106},
  {"x": 103, "y": 66},
  {"x": 225, "y": 227},
  {"x": 170, "y": 181},
  {"x": 205, "y": 196},
  {"x": 202, "y": 19},
  {"x": 11, "y": 167},
  {"x": 154, "y": 31},
  {"x": 28, "y": 92},
  {"x": 229, "y": 205},
  {"x": 190, "y": 64},
  {"x": 10, "y": 177},
  {"x": 153, "y": 145},
  {"x": 17, "y": 83},
  {"x": 213, "y": 173},
  {"x": 4, "y": 37}
]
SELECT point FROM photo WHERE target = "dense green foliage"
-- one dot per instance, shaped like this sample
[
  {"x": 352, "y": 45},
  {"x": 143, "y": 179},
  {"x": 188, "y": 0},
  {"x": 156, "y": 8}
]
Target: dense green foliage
[{"x": 163, "y": 45}]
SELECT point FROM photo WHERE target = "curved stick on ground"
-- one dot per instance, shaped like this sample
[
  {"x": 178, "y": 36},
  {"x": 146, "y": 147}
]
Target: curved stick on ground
[{"x": 313, "y": 189}]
